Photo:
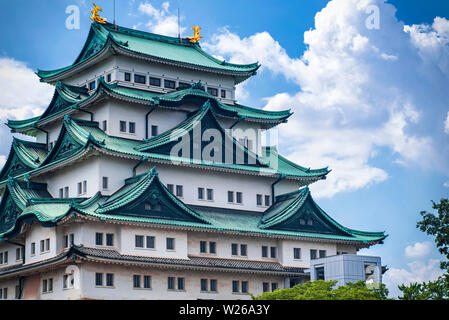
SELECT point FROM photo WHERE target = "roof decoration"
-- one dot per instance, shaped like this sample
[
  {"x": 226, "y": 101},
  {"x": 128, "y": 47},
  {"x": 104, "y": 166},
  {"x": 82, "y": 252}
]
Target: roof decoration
[
  {"x": 107, "y": 39},
  {"x": 96, "y": 15},
  {"x": 196, "y": 35}
]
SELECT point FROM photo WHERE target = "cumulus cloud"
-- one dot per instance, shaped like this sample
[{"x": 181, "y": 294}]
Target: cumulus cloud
[
  {"x": 162, "y": 21},
  {"x": 418, "y": 249},
  {"x": 361, "y": 92},
  {"x": 417, "y": 271},
  {"x": 22, "y": 95}
]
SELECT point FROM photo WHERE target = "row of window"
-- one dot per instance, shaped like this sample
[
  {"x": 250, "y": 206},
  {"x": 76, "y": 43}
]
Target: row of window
[
  {"x": 82, "y": 188},
  {"x": 130, "y": 125},
  {"x": 44, "y": 246},
  {"x": 67, "y": 283},
  {"x": 4, "y": 256}
]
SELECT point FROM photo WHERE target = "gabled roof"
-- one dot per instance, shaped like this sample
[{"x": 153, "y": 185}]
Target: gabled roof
[
  {"x": 297, "y": 211},
  {"x": 146, "y": 196},
  {"x": 151, "y": 47},
  {"x": 69, "y": 98},
  {"x": 23, "y": 156}
]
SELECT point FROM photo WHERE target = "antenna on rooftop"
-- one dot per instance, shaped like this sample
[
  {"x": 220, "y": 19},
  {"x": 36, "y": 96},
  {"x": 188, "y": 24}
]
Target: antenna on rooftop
[
  {"x": 115, "y": 25},
  {"x": 179, "y": 29}
]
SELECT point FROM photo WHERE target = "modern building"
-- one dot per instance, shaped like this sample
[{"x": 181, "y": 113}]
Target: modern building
[{"x": 146, "y": 179}]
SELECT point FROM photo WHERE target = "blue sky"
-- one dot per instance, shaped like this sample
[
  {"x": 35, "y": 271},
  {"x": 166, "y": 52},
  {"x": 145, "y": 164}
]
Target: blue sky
[{"x": 369, "y": 103}]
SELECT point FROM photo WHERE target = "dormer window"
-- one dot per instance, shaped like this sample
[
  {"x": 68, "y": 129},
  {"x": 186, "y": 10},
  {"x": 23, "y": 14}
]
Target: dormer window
[
  {"x": 212, "y": 91},
  {"x": 183, "y": 85},
  {"x": 92, "y": 85},
  {"x": 155, "y": 82},
  {"x": 132, "y": 127},
  {"x": 223, "y": 94},
  {"x": 122, "y": 126},
  {"x": 169, "y": 84},
  {"x": 128, "y": 76},
  {"x": 140, "y": 79}
]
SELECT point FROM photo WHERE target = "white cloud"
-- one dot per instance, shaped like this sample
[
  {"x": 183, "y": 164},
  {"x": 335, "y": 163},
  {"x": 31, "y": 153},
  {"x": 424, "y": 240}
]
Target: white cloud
[
  {"x": 162, "y": 21},
  {"x": 2, "y": 161},
  {"x": 418, "y": 249},
  {"x": 360, "y": 91},
  {"x": 22, "y": 95},
  {"x": 417, "y": 271},
  {"x": 446, "y": 184}
]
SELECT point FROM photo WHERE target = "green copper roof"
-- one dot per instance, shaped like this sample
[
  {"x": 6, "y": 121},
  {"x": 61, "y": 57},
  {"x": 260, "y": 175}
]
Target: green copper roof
[
  {"x": 67, "y": 97},
  {"x": 23, "y": 156},
  {"x": 144, "y": 199},
  {"x": 153, "y": 47}
]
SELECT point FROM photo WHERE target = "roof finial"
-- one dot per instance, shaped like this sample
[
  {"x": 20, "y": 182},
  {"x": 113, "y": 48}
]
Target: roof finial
[
  {"x": 96, "y": 16},
  {"x": 196, "y": 34}
]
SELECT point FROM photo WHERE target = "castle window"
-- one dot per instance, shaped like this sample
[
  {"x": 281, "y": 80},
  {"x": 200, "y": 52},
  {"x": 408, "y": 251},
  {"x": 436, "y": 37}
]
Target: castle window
[
  {"x": 109, "y": 279},
  {"x": 273, "y": 252},
  {"x": 179, "y": 191},
  {"x": 140, "y": 79},
  {"x": 266, "y": 287},
  {"x": 33, "y": 248},
  {"x": 105, "y": 183},
  {"x": 108, "y": 78},
  {"x": 122, "y": 126},
  {"x": 42, "y": 246},
  {"x": 154, "y": 131},
  {"x": 47, "y": 285},
  {"x": 128, "y": 76},
  {"x": 92, "y": 85},
  {"x": 208, "y": 285},
  {"x": 150, "y": 242},
  {"x": 61, "y": 193},
  {"x": 259, "y": 199},
  {"x": 203, "y": 246},
  {"x": 213, "y": 91},
  {"x": 223, "y": 93},
  {"x": 136, "y": 281},
  {"x": 239, "y": 197},
  {"x": 274, "y": 286},
  {"x": 18, "y": 254},
  {"x": 66, "y": 241},
  {"x": 110, "y": 239},
  {"x": 302, "y": 221},
  {"x": 297, "y": 253},
  {"x": 267, "y": 200},
  {"x": 201, "y": 193},
  {"x": 132, "y": 127},
  {"x": 170, "y": 188},
  {"x": 169, "y": 84},
  {"x": 239, "y": 286},
  {"x": 231, "y": 196},
  {"x": 170, "y": 243},
  {"x": 322, "y": 253},
  {"x": 243, "y": 250},
  {"x": 183, "y": 85},
  {"x": 155, "y": 82},
  {"x": 212, "y": 247},
  {"x": 139, "y": 241},
  {"x": 264, "y": 252},
  {"x": 210, "y": 194},
  {"x": 310, "y": 222},
  {"x": 105, "y": 125},
  {"x": 313, "y": 254},
  {"x": 80, "y": 190},
  {"x": 234, "y": 249},
  {"x": 172, "y": 281},
  {"x": 66, "y": 192},
  {"x": 99, "y": 279},
  {"x": 98, "y": 238}
]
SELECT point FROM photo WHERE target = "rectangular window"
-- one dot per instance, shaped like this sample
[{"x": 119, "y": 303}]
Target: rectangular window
[
  {"x": 169, "y": 84},
  {"x": 170, "y": 243},
  {"x": 274, "y": 286},
  {"x": 171, "y": 283},
  {"x": 210, "y": 194},
  {"x": 244, "y": 286},
  {"x": 109, "y": 279},
  {"x": 5, "y": 293},
  {"x": 273, "y": 252},
  {"x": 1, "y": 258},
  {"x": 231, "y": 196},
  {"x": 122, "y": 126},
  {"x": 204, "y": 284},
  {"x": 313, "y": 254},
  {"x": 297, "y": 253},
  {"x": 136, "y": 281},
  {"x": 239, "y": 197},
  {"x": 61, "y": 193},
  {"x": 80, "y": 188},
  {"x": 98, "y": 239},
  {"x": 212, "y": 247},
  {"x": 267, "y": 200},
  {"x": 18, "y": 254},
  {"x": 235, "y": 286},
  {"x": 203, "y": 246},
  {"x": 179, "y": 191},
  {"x": 223, "y": 94},
  {"x": 183, "y": 85},
  {"x": 65, "y": 280},
  {"x": 243, "y": 250},
  {"x": 265, "y": 287},
  {"x": 44, "y": 285},
  {"x": 84, "y": 186},
  {"x": 128, "y": 76},
  {"x": 33, "y": 248},
  {"x": 150, "y": 242},
  {"x": 140, "y": 79},
  {"x": 66, "y": 192},
  {"x": 155, "y": 82},
  {"x": 322, "y": 253},
  {"x": 264, "y": 252},
  {"x": 110, "y": 239},
  {"x": 259, "y": 199},
  {"x": 147, "y": 282},
  {"x": 170, "y": 188},
  {"x": 66, "y": 241},
  {"x": 42, "y": 245},
  {"x": 132, "y": 127},
  {"x": 105, "y": 183},
  {"x": 154, "y": 131},
  {"x": 108, "y": 78},
  {"x": 234, "y": 249},
  {"x": 105, "y": 125},
  {"x": 50, "y": 284},
  {"x": 201, "y": 193},
  {"x": 99, "y": 279},
  {"x": 139, "y": 241},
  {"x": 213, "y": 285},
  {"x": 212, "y": 91},
  {"x": 92, "y": 85}
]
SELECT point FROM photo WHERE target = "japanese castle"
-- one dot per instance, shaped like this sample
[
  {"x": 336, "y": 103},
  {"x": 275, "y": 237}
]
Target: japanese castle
[{"x": 146, "y": 179}]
